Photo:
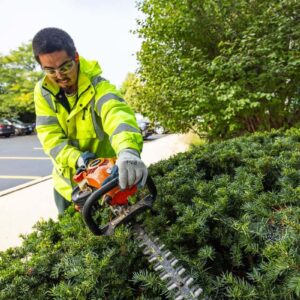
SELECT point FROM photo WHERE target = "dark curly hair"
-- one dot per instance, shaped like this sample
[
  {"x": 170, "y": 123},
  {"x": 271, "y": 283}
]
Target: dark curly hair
[{"x": 52, "y": 39}]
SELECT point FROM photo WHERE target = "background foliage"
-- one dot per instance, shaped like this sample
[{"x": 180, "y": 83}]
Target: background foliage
[
  {"x": 222, "y": 67},
  {"x": 18, "y": 76},
  {"x": 229, "y": 211},
  {"x": 131, "y": 90},
  {"x": 219, "y": 67}
]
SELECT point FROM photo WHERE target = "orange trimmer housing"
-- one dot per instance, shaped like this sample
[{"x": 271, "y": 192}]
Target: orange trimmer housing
[{"x": 95, "y": 174}]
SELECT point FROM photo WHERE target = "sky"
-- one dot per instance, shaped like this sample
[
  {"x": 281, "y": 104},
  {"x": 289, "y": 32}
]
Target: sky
[{"x": 99, "y": 28}]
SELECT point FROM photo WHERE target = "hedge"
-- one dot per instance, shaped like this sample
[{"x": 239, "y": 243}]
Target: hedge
[{"x": 229, "y": 211}]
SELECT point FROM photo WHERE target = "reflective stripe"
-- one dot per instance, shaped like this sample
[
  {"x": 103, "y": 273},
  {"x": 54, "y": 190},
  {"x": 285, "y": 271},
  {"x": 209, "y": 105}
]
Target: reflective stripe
[
  {"x": 46, "y": 120},
  {"x": 123, "y": 127},
  {"x": 47, "y": 96},
  {"x": 96, "y": 121},
  {"x": 55, "y": 151},
  {"x": 97, "y": 79},
  {"x": 106, "y": 98}
]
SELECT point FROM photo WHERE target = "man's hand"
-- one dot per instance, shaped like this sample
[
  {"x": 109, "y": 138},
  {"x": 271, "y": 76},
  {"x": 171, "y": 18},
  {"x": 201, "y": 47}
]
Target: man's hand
[
  {"x": 84, "y": 159},
  {"x": 131, "y": 169}
]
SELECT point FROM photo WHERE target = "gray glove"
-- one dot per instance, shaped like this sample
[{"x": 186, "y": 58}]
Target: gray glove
[{"x": 131, "y": 169}]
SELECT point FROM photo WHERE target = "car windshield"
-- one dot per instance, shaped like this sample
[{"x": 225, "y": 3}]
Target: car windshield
[
  {"x": 3, "y": 121},
  {"x": 16, "y": 121}
]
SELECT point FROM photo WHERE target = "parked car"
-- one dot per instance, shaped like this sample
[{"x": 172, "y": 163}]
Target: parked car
[
  {"x": 158, "y": 129},
  {"x": 6, "y": 129},
  {"x": 144, "y": 125},
  {"x": 20, "y": 127}
]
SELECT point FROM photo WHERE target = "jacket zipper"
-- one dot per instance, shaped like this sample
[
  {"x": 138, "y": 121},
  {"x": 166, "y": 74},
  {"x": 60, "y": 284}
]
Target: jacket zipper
[{"x": 83, "y": 92}]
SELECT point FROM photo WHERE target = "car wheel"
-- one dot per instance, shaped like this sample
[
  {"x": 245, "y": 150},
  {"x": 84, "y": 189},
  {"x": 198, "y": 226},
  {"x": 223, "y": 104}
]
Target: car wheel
[
  {"x": 144, "y": 134},
  {"x": 7, "y": 135},
  {"x": 18, "y": 132}
]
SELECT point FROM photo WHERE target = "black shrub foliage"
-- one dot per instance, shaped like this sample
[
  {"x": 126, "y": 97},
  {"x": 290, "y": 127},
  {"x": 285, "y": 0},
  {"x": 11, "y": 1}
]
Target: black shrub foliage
[{"x": 228, "y": 210}]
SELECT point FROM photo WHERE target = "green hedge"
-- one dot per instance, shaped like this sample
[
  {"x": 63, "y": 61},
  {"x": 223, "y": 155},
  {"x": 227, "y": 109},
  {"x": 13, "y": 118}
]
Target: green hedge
[{"x": 229, "y": 211}]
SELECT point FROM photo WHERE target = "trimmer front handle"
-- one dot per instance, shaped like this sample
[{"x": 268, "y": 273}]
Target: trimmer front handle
[{"x": 92, "y": 203}]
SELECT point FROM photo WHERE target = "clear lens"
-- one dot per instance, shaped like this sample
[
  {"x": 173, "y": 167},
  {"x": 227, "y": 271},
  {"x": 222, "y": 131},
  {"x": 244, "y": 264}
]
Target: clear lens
[
  {"x": 50, "y": 71},
  {"x": 67, "y": 67},
  {"x": 64, "y": 69}
]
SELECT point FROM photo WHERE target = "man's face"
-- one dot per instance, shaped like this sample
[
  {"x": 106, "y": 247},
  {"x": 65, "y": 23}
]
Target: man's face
[{"x": 60, "y": 69}]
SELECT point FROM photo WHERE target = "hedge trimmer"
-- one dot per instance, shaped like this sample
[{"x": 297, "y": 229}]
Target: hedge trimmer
[{"x": 97, "y": 191}]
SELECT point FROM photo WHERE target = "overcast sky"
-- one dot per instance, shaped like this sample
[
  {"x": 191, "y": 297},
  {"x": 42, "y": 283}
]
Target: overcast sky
[{"x": 99, "y": 28}]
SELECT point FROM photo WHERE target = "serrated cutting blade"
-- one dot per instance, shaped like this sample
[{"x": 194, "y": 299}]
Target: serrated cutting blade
[{"x": 168, "y": 267}]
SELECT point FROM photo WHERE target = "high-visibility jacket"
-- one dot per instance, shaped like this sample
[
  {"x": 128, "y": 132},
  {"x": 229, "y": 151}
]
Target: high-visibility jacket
[{"x": 100, "y": 122}]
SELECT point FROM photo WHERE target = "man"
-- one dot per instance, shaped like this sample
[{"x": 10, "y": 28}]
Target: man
[{"x": 81, "y": 116}]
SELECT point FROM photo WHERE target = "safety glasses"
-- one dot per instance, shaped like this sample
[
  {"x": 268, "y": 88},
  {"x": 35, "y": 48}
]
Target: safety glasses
[{"x": 63, "y": 69}]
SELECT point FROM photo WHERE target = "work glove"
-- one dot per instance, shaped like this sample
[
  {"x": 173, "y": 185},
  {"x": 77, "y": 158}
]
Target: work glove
[
  {"x": 131, "y": 169},
  {"x": 83, "y": 161}
]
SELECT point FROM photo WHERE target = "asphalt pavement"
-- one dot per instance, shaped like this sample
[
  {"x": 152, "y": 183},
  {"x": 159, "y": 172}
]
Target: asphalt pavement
[
  {"x": 22, "y": 160},
  {"x": 24, "y": 205}
]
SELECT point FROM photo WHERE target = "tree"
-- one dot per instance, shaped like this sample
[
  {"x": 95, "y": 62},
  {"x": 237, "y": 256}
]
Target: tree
[
  {"x": 224, "y": 67},
  {"x": 18, "y": 76},
  {"x": 131, "y": 89}
]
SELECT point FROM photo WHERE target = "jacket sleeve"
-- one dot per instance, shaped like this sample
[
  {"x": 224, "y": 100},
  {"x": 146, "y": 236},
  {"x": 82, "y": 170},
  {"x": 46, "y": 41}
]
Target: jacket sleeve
[
  {"x": 51, "y": 135},
  {"x": 118, "y": 119}
]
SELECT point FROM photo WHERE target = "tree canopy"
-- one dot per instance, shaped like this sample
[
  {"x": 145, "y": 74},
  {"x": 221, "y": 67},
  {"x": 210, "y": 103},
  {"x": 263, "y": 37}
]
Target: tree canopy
[
  {"x": 223, "y": 67},
  {"x": 18, "y": 76},
  {"x": 131, "y": 90}
]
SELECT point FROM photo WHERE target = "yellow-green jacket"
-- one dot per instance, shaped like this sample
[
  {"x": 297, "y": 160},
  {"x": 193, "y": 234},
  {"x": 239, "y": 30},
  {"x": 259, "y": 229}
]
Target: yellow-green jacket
[{"x": 100, "y": 122}]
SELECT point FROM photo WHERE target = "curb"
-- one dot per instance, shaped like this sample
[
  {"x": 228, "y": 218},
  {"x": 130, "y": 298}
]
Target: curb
[{"x": 25, "y": 185}]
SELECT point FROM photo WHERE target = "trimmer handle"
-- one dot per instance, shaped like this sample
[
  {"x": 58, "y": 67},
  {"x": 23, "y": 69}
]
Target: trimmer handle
[{"x": 87, "y": 210}]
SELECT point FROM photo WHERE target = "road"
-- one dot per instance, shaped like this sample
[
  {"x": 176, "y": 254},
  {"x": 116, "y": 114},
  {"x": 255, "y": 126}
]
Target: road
[{"x": 22, "y": 159}]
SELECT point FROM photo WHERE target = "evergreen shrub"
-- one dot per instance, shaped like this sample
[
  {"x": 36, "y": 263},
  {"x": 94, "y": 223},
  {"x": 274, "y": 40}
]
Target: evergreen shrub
[{"x": 229, "y": 211}]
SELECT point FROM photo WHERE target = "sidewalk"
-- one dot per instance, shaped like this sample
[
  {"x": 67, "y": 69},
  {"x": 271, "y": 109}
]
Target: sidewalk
[{"x": 24, "y": 205}]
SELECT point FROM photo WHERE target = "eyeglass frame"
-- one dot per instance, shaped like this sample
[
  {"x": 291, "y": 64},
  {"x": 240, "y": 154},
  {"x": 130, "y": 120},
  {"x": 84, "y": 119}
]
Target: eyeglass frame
[{"x": 53, "y": 71}]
